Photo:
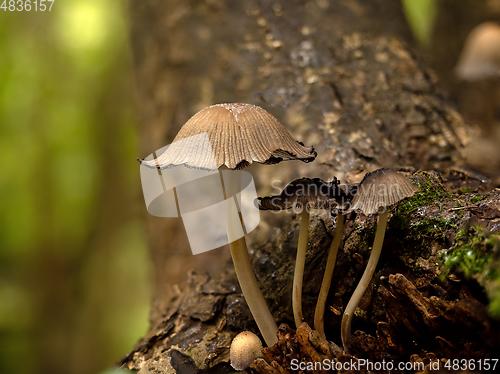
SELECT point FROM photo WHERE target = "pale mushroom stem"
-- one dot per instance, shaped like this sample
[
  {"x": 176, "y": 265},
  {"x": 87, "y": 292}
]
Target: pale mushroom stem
[
  {"x": 245, "y": 274},
  {"x": 365, "y": 280},
  {"x": 327, "y": 277},
  {"x": 251, "y": 291},
  {"x": 299, "y": 267}
]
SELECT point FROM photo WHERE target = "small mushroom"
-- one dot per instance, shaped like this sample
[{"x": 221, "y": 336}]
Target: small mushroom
[
  {"x": 306, "y": 194},
  {"x": 245, "y": 348},
  {"x": 377, "y": 191},
  {"x": 239, "y": 134},
  {"x": 342, "y": 200},
  {"x": 480, "y": 56}
]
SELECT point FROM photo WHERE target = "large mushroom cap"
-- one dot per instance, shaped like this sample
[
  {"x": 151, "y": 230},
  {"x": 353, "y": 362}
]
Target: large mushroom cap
[
  {"x": 315, "y": 193},
  {"x": 480, "y": 57},
  {"x": 381, "y": 188},
  {"x": 239, "y": 134}
]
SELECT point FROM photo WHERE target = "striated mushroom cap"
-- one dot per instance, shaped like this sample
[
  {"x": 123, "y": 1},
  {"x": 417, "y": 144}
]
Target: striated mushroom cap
[
  {"x": 480, "y": 56},
  {"x": 245, "y": 348},
  {"x": 238, "y": 134},
  {"x": 315, "y": 193},
  {"x": 381, "y": 188}
]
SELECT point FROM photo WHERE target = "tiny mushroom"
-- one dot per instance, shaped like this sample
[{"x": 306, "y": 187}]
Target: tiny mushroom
[
  {"x": 342, "y": 201},
  {"x": 480, "y": 56},
  {"x": 307, "y": 194},
  {"x": 377, "y": 191},
  {"x": 245, "y": 348},
  {"x": 239, "y": 134}
]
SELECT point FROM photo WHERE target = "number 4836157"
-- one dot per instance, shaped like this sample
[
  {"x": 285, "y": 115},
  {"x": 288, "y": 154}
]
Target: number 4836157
[{"x": 26, "y": 5}]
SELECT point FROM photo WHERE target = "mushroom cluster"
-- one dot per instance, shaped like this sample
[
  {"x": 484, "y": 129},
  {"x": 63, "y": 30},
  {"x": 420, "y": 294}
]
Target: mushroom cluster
[
  {"x": 376, "y": 192},
  {"x": 239, "y": 134},
  {"x": 305, "y": 194}
]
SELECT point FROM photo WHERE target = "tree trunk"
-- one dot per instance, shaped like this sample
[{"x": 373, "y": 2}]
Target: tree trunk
[{"x": 340, "y": 76}]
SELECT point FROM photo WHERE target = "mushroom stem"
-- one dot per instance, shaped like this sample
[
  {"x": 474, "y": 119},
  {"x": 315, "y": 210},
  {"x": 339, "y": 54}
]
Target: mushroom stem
[
  {"x": 251, "y": 291},
  {"x": 244, "y": 271},
  {"x": 327, "y": 277},
  {"x": 365, "y": 279},
  {"x": 299, "y": 267}
]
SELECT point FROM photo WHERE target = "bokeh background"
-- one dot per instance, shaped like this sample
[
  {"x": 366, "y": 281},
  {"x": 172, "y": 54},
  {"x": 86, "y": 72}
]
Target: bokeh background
[
  {"x": 74, "y": 267},
  {"x": 75, "y": 279}
]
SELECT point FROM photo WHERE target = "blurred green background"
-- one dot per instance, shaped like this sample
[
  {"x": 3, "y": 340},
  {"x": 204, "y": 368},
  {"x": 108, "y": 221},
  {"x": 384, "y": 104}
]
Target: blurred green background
[{"x": 74, "y": 270}]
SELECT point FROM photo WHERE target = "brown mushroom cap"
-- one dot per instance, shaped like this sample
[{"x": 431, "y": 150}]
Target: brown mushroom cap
[
  {"x": 315, "y": 193},
  {"x": 245, "y": 348},
  {"x": 239, "y": 135},
  {"x": 480, "y": 56},
  {"x": 381, "y": 188}
]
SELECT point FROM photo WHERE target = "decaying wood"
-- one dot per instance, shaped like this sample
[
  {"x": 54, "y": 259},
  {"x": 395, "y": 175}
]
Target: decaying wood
[
  {"x": 343, "y": 80},
  {"x": 408, "y": 308}
]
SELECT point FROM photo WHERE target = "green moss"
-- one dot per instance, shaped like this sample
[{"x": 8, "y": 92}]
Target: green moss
[
  {"x": 494, "y": 296},
  {"x": 476, "y": 198},
  {"x": 434, "y": 228},
  {"x": 419, "y": 234},
  {"x": 466, "y": 190},
  {"x": 467, "y": 260},
  {"x": 476, "y": 254},
  {"x": 428, "y": 194}
]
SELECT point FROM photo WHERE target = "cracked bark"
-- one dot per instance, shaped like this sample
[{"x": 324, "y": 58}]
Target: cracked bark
[{"x": 340, "y": 76}]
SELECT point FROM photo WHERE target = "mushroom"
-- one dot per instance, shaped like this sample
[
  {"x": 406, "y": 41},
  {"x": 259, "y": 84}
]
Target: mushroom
[
  {"x": 377, "y": 191},
  {"x": 238, "y": 134},
  {"x": 479, "y": 63},
  {"x": 306, "y": 193},
  {"x": 480, "y": 56},
  {"x": 245, "y": 348}
]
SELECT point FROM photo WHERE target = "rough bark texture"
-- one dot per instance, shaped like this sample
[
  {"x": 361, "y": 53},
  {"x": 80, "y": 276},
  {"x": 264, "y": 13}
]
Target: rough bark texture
[{"x": 340, "y": 77}]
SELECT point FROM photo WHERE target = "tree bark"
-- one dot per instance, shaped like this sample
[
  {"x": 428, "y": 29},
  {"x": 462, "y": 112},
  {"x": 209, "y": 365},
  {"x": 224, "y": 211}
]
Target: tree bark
[{"x": 340, "y": 76}]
